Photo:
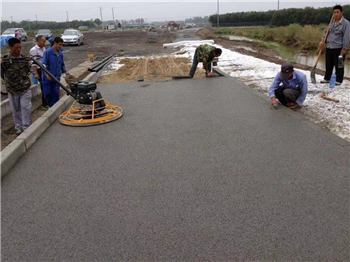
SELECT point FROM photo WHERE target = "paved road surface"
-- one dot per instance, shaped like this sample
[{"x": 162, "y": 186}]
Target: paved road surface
[{"x": 195, "y": 170}]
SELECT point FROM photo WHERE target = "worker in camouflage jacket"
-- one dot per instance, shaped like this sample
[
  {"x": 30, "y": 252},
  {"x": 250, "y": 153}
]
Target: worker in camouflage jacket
[
  {"x": 205, "y": 54},
  {"x": 17, "y": 82}
]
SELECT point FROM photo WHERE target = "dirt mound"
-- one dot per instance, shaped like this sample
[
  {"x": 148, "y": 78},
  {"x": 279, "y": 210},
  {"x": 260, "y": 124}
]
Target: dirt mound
[
  {"x": 206, "y": 33},
  {"x": 152, "y": 69}
]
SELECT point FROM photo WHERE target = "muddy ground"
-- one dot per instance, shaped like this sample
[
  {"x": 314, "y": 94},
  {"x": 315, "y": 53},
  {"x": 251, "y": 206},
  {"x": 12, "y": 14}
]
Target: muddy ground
[{"x": 122, "y": 43}]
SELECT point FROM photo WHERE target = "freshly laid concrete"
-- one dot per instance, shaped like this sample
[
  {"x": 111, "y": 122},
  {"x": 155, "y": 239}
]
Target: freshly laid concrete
[
  {"x": 31, "y": 135},
  {"x": 13, "y": 152},
  {"x": 199, "y": 169}
]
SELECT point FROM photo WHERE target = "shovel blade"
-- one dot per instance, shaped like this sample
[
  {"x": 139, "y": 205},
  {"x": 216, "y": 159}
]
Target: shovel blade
[{"x": 313, "y": 76}]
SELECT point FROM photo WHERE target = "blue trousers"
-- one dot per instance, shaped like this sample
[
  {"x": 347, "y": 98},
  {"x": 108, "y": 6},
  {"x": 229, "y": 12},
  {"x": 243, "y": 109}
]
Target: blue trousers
[{"x": 51, "y": 92}]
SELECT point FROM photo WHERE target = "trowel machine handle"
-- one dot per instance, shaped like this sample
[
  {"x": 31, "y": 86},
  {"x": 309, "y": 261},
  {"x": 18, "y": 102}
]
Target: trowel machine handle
[
  {"x": 30, "y": 59},
  {"x": 54, "y": 78}
]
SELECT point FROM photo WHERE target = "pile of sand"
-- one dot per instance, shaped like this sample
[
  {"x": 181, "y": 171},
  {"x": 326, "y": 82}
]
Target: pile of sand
[{"x": 151, "y": 69}]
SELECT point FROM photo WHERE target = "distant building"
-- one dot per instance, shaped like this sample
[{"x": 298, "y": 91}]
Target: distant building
[
  {"x": 190, "y": 25},
  {"x": 83, "y": 27},
  {"x": 173, "y": 24},
  {"x": 110, "y": 27}
]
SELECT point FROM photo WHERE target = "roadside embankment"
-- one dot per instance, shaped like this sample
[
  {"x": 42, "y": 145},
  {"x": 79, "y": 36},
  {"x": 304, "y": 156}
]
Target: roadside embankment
[{"x": 305, "y": 37}]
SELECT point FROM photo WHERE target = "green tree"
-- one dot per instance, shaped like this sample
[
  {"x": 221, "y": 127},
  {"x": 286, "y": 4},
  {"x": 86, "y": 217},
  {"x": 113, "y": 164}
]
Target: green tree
[{"x": 97, "y": 21}]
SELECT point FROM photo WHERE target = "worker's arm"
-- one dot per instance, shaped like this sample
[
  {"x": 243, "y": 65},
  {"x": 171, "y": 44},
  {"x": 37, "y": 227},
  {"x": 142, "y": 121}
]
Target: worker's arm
[
  {"x": 206, "y": 67},
  {"x": 3, "y": 69},
  {"x": 346, "y": 39},
  {"x": 274, "y": 86},
  {"x": 304, "y": 88},
  {"x": 63, "y": 68},
  {"x": 46, "y": 61},
  {"x": 29, "y": 67},
  {"x": 34, "y": 66},
  {"x": 205, "y": 64},
  {"x": 321, "y": 44}
]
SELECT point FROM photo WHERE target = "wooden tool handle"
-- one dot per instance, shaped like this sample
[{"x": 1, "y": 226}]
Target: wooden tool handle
[
  {"x": 324, "y": 40},
  {"x": 329, "y": 98}
]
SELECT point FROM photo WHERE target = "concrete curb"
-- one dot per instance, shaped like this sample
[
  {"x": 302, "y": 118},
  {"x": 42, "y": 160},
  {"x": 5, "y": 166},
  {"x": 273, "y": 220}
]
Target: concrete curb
[{"x": 14, "y": 151}]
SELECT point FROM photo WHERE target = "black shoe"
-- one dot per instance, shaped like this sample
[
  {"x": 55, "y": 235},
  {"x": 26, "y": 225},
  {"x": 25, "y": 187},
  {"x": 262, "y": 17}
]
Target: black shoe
[{"x": 19, "y": 131}]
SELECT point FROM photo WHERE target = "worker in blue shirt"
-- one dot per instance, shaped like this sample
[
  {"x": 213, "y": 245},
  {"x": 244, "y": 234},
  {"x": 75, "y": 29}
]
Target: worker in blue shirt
[
  {"x": 292, "y": 92},
  {"x": 54, "y": 62}
]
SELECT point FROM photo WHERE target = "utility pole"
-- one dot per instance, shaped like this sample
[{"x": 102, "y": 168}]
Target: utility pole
[
  {"x": 36, "y": 18},
  {"x": 67, "y": 19},
  {"x": 28, "y": 23},
  {"x": 278, "y": 5},
  {"x": 11, "y": 19},
  {"x": 218, "y": 21},
  {"x": 113, "y": 14},
  {"x": 101, "y": 13}
]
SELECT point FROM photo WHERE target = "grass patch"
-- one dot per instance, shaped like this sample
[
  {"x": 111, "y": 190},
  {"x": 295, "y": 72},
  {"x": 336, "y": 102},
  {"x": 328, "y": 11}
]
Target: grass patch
[{"x": 302, "y": 37}]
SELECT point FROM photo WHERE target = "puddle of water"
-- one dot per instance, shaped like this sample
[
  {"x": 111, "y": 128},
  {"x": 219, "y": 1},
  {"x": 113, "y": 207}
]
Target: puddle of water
[
  {"x": 245, "y": 48},
  {"x": 309, "y": 59},
  {"x": 239, "y": 38},
  {"x": 291, "y": 54}
]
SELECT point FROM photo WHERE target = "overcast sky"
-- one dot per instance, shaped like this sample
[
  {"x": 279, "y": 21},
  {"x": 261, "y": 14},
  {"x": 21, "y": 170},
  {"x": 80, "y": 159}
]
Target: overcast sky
[{"x": 152, "y": 11}]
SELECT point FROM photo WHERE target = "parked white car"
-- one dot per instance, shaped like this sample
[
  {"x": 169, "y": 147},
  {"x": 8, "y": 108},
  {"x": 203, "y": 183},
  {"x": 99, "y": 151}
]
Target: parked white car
[
  {"x": 72, "y": 37},
  {"x": 11, "y": 32}
]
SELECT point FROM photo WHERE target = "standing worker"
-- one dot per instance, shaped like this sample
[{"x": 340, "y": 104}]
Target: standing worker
[
  {"x": 37, "y": 53},
  {"x": 54, "y": 62},
  {"x": 51, "y": 41},
  {"x": 204, "y": 53},
  {"x": 337, "y": 45},
  {"x": 18, "y": 35},
  {"x": 17, "y": 83},
  {"x": 292, "y": 92}
]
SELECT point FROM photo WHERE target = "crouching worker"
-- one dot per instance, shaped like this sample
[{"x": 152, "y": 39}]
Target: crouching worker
[
  {"x": 205, "y": 54},
  {"x": 18, "y": 84},
  {"x": 292, "y": 92}
]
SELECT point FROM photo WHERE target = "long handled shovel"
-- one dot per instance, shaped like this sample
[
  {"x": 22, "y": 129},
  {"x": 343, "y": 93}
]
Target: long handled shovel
[{"x": 313, "y": 74}]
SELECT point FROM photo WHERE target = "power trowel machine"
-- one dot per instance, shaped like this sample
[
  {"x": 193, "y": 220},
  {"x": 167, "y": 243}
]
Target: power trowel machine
[{"x": 89, "y": 108}]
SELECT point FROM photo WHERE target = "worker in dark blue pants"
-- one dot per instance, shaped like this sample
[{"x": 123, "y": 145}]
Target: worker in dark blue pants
[
  {"x": 51, "y": 92},
  {"x": 53, "y": 61}
]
